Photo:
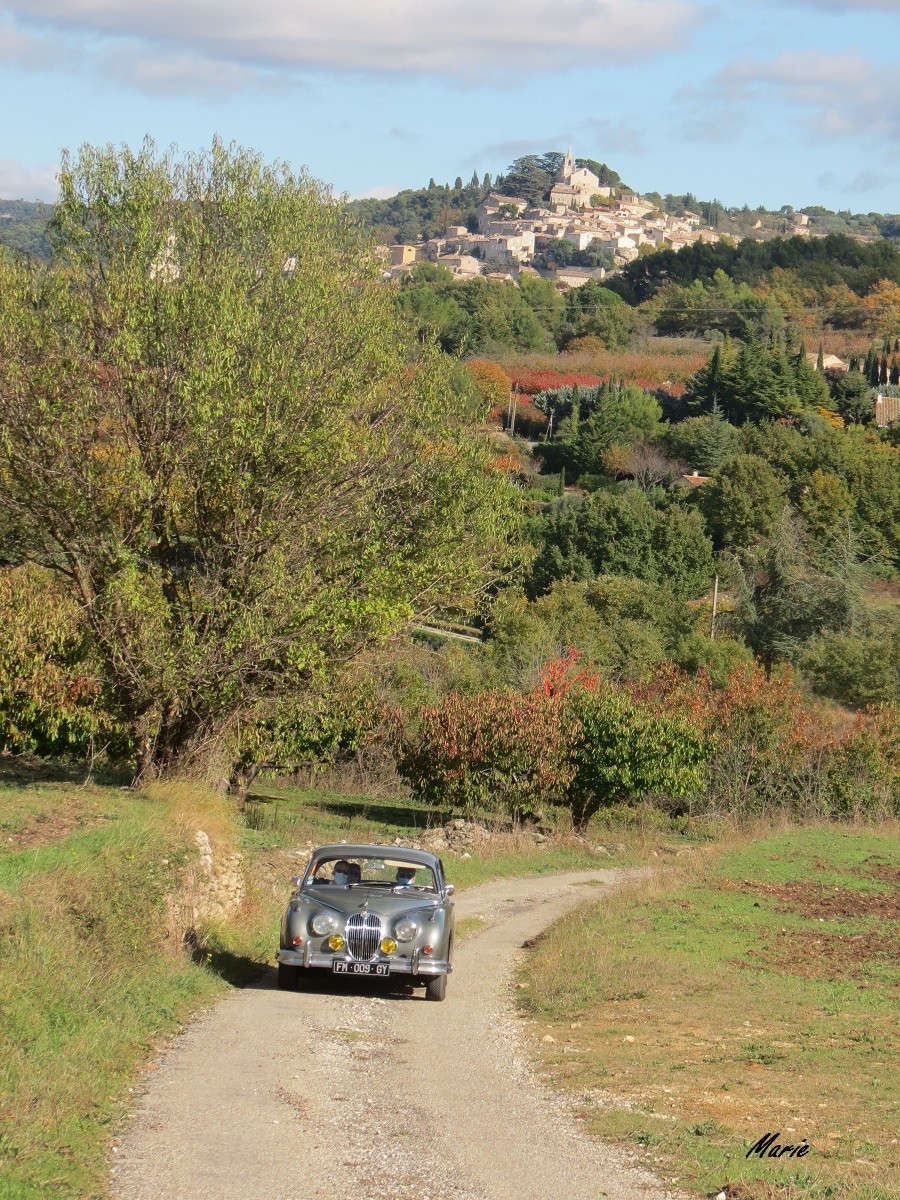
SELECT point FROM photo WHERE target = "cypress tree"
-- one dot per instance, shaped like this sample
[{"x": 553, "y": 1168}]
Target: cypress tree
[
  {"x": 486, "y": 182},
  {"x": 561, "y": 485},
  {"x": 811, "y": 387},
  {"x": 820, "y": 360},
  {"x": 883, "y": 372},
  {"x": 576, "y": 407},
  {"x": 895, "y": 371},
  {"x": 705, "y": 387}
]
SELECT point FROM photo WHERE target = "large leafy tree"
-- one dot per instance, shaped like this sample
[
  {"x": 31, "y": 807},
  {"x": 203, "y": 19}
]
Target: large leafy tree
[
  {"x": 786, "y": 597},
  {"x": 626, "y": 750},
  {"x": 217, "y": 434},
  {"x": 528, "y": 177},
  {"x": 741, "y": 503},
  {"x": 621, "y": 534}
]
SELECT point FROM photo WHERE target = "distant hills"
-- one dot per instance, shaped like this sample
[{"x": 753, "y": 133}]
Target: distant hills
[
  {"x": 420, "y": 213},
  {"x": 23, "y": 226}
]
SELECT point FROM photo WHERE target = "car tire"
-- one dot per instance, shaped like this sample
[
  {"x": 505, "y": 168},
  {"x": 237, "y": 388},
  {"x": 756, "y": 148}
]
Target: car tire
[
  {"x": 288, "y": 977},
  {"x": 436, "y": 988}
]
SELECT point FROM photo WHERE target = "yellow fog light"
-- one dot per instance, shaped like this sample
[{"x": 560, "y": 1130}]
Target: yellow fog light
[
  {"x": 336, "y": 942},
  {"x": 388, "y": 945}
]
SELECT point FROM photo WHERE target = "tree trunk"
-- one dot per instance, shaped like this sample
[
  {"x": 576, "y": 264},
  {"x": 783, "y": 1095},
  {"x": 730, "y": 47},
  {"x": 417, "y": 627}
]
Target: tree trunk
[{"x": 241, "y": 779}]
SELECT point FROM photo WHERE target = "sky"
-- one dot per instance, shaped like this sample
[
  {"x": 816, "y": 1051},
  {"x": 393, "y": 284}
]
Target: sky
[{"x": 759, "y": 102}]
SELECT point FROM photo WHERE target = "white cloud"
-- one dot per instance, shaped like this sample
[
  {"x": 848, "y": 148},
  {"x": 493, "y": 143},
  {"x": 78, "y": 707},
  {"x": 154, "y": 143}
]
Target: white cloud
[
  {"x": 24, "y": 48},
  {"x": 836, "y": 96},
  {"x": 20, "y": 182},
  {"x": 462, "y": 39},
  {"x": 401, "y": 133},
  {"x": 618, "y": 136},
  {"x": 864, "y": 181},
  {"x": 709, "y": 114},
  {"x": 849, "y": 5},
  {"x": 382, "y": 191},
  {"x": 844, "y": 95},
  {"x": 162, "y": 74}
]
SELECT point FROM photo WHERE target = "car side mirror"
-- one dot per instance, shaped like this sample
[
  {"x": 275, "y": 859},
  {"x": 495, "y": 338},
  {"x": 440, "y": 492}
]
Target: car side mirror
[
  {"x": 296, "y": 881},
  {"x": 449, "y": 889}
]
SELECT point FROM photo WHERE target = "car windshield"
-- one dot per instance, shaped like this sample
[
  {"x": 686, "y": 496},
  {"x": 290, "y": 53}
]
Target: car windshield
[{"x": 388, "y": 873}]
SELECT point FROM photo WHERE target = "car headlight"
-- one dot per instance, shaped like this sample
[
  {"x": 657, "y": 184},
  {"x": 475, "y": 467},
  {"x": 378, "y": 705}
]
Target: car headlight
[
  {"x": 405, "y": 930},
  {"x": 322, "y": 923}
]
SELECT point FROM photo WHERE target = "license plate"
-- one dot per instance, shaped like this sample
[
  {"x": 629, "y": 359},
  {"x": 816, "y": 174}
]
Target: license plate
[{"x": 342, "y": 967}]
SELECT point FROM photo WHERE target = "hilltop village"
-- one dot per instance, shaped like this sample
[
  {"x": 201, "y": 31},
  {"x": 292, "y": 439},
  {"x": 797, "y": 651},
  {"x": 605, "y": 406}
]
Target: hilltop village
[{"x": 511, "y": 234}]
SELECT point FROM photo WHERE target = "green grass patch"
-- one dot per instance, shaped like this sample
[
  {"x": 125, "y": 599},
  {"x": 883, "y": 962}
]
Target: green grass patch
[
  {"x": 279, "y": 818},
  {"x": 756, "y": 994},
  {"x": 93, "y": 969}
]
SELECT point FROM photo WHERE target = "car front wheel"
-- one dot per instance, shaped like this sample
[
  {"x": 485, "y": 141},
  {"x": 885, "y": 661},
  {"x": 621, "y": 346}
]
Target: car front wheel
[
  {"x": 288, "y": 977},
  {"x": 436, "y": 988}
]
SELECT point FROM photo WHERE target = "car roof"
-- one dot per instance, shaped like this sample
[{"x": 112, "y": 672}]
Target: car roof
[{"x": 398, "y": 853}]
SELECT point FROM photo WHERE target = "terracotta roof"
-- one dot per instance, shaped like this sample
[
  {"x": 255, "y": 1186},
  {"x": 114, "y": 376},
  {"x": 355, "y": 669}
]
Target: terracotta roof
[{"x": 887, "y": 410}]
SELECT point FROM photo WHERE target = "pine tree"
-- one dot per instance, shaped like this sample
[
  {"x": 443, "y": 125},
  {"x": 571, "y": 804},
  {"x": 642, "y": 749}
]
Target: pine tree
[
  {"x": 810, "y": 384},
  {"x": 457, "y": 186},
  {"x": 716, "y": 443},
  {"x": 704, "y": 388}
]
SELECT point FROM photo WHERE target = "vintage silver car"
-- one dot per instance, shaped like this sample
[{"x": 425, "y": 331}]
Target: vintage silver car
[{"x": 370, "y": 910}]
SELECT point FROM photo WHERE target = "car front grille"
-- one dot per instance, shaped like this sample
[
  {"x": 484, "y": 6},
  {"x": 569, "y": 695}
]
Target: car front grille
[{"x": 363, "y": 935}]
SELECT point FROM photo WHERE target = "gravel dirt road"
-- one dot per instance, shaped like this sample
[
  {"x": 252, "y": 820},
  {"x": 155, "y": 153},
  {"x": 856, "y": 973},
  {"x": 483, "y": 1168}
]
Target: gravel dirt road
[{"x": 356, "y": 1090}]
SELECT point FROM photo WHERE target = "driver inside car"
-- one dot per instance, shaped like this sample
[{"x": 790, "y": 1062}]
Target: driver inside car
[
  {"x": 346, "y": 873},
  {"x": 406, "y": 876},
  {"x": 341, "y": 873}
]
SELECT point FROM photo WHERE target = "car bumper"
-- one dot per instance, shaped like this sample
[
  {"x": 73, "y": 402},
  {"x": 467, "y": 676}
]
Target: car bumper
[{"x": 416, "y": 964}]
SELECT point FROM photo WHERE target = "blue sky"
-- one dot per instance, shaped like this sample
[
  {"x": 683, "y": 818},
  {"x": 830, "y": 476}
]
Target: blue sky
[{"x": 749, "y": 101}]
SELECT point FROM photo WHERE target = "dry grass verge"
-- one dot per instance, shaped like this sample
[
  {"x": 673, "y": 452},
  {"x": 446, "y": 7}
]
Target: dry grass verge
[
  {"x": 94, "y": 965},
  {"x": 754, "y": 993}
]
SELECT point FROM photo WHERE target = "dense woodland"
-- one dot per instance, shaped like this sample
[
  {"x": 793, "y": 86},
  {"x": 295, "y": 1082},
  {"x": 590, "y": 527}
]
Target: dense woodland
[
  {"x": 796, "y": 289},
  {"x": 603, "y": 462},
  {"x": 23, "y": 227}
]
